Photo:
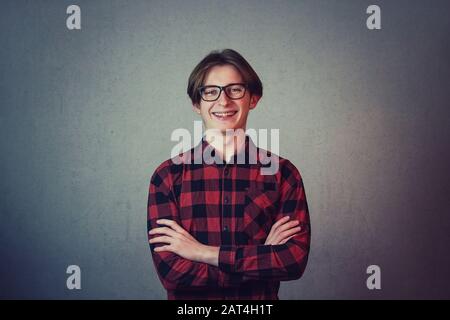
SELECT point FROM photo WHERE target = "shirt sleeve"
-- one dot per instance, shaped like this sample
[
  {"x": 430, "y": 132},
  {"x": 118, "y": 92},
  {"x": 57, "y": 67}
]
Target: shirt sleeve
[
  {"x": 275, "y": 262},
  {"x": 174, "y": 271}
]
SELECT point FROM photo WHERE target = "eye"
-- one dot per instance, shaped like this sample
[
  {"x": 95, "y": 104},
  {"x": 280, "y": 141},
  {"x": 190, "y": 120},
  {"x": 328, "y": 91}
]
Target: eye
[{"x": 210, "y": 92}]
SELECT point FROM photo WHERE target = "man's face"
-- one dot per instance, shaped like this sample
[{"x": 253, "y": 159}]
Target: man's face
[{"x": 225, "y": 113}]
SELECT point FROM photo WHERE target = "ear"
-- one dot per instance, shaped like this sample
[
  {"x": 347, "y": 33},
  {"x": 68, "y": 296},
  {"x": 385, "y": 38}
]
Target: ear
[
  {"x": 196, "y": 108},
  {"x": 254, "y": 101}
]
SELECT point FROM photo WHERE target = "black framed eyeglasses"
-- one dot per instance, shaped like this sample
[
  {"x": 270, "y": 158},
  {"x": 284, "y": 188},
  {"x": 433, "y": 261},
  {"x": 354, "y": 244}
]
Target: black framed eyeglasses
[{"x": 233, "y": 91}]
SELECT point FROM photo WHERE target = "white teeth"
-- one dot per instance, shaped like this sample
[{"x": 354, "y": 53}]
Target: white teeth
[{"x": 224, "y": 114}]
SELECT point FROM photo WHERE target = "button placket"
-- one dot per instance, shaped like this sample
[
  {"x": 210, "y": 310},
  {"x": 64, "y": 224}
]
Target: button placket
[
  {"x": 226, "y": 172},
  {"x": 225, "y": 200}
]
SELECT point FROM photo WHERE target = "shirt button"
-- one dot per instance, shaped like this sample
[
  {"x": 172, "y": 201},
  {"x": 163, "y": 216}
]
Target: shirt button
[
  {"x": 225, "y": 228},
  {"x": 225, "y": 200}
]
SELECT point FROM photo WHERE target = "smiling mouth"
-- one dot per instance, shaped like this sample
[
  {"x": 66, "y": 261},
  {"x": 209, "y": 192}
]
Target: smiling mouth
[{"x": 224, "y": 115}]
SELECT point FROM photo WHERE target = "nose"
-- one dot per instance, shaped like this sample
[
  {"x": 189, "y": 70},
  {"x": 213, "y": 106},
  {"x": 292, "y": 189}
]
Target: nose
[{"x": 223, "y": 98}]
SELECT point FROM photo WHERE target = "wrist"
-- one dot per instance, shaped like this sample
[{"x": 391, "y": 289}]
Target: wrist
[{"x": 210, "y": 255}]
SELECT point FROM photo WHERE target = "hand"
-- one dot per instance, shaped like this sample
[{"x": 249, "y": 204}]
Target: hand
[
  {"x": 179, "y": 241},
  {"x": 282, "y": 231}
]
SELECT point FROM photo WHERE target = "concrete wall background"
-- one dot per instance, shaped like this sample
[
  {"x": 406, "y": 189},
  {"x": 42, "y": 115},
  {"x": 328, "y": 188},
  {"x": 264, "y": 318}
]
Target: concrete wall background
[{"x": 86, "y": 116}]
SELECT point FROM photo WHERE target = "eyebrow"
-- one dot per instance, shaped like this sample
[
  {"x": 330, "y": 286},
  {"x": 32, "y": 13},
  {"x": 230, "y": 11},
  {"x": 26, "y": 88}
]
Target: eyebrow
[{"x": 216, "y": 85}]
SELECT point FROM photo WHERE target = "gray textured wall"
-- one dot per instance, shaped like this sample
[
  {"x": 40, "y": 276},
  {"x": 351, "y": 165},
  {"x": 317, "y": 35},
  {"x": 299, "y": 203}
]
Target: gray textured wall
[{"x": 86, "y": 117}]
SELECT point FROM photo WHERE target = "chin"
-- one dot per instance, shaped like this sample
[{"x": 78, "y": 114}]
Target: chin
[{"x": 224, "y": 130}]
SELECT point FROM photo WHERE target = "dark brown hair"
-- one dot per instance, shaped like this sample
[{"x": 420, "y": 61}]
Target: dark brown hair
[{"x": 220, "y": 58}]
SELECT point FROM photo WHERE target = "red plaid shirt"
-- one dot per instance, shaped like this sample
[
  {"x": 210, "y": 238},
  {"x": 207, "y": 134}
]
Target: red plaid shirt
[{"x": 231, "y": 206}]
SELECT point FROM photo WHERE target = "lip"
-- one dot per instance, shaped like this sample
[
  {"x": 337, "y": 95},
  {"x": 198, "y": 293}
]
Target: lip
[{"x": 224, "y": 115}]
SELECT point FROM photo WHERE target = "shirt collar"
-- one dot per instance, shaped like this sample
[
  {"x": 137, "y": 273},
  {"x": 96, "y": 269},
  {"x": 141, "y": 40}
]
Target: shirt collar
[{"x": 247, "y": 155}]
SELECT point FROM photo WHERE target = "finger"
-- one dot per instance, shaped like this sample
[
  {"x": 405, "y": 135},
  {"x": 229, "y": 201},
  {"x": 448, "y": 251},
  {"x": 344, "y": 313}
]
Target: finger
[
  {"x": 276, "y": 235},
  {"x": 287, "y": 239},
  {"x": 171, "y": 223},
  {"x": 287, "y": 226},
  {"x": 163, "y": 248},
  {"x": 276, "y": 226},
  {"x": 163, "y": 230},
  {"x": 280, "y": 222},
  {"x": 288, "y": 233},
  {"x": 175, "y": 226},
  {"x": 270, "y": 234},
  {"x": 162, "y": 239},
  {"x": 268, "y": 240}
]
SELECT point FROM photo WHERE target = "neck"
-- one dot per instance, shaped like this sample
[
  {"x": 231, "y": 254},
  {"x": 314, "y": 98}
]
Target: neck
[{"x": 226, "y": 143}]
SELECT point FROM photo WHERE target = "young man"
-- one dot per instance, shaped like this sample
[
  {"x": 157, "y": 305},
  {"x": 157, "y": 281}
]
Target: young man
[{"x": 221, "y": 229}]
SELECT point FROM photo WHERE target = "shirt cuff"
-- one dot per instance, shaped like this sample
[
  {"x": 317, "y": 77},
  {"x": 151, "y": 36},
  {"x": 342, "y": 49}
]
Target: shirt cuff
[
  {"x": 227, "y": 259},
  {"x": 227, "y": 268}
]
